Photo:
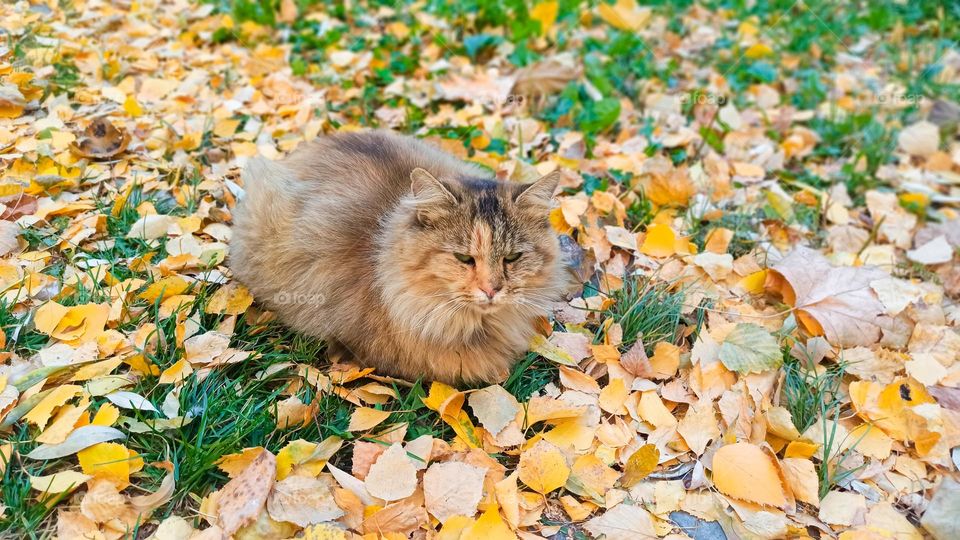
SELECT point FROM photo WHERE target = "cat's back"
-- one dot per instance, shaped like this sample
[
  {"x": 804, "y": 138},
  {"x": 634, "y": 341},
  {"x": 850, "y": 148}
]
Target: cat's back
[{"x": 371, "y": 167}]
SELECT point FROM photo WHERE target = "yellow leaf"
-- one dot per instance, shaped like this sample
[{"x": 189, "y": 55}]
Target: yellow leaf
[
  {"x": 652, "y": 409},
  {"x": 73, "y": 324},
  {"x": 624, "y": 15},
  {"x": 613, "y": 396},
  {"x": 364, "y": 418},
  {"x": 63, "y": 423},
  {"x": 110, "y": 461},
  {"x": 439, "y": 393},
  {"x": 757, "y": 51},
  {"x": 164, "y": 288},
  {"x": 660, "y": 241},
  {"x": 305, "y": 456},
  {"x": 132, "y": 108},
  {"x": 800, "y": 449},
  {"x": 60, "y": 482},
  {"x": 181, "y": 369},
  {"x": 106, "y": 415},
  {"x": 489, "y": 526},
  {"x": 231, "y": 299},
  {"x": 234, "y": 464},
  {"x": 591, "y": 477},
  {"x": 543, "y": 468},
  {"x": 640, "y": 464},
  {"x": 96, "y": 369},
  {"x": 41, "y": 412},
  {"x": 666, "y": 360},
  {"x": 546, "y": 14},
  {"x": 744, "y": 471},
  {"x": 48, "y": 316}
]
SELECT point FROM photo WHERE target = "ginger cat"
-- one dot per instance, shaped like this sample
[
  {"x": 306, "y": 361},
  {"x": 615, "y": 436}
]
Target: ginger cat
[{"x": 417, "y": 263}]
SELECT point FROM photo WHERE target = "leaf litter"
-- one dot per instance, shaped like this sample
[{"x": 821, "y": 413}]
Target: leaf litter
[{"x": 730, "y": 189}]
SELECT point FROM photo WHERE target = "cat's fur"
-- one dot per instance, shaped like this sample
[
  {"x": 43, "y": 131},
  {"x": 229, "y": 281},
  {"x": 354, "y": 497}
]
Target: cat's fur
[{"x": 353, "y": 239}]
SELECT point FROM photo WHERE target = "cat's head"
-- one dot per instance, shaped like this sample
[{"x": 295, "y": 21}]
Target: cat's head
[{"x": 479, "y": 245}]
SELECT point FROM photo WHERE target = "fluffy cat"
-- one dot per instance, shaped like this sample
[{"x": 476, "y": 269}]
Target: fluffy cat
[{"x": 417, "y": 263}]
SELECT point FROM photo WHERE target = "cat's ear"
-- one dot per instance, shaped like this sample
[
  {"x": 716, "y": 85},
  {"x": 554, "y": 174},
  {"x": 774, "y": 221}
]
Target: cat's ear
[
  {"x": 432, "y": 197},
  {"x": 540, "y": 193}
]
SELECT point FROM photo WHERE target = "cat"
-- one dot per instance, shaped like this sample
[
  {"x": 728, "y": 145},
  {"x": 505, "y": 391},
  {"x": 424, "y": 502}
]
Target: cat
[{"x": 417, "y": 263}]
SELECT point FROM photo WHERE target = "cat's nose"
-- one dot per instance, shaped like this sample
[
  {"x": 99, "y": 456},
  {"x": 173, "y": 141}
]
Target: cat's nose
[{"x": 489, "y": 290}]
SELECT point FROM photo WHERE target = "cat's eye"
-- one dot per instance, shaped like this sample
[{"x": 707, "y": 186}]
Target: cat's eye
[
  {"x": 465, "y": 259},
  {"x": 513, "y": 257}
]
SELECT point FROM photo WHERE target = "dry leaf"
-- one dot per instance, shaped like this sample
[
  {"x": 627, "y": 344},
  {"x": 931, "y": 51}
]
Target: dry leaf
[
  {"x": 302, "y": 500},
  {"x": 744, "y": 471},
  {"x": 833, "y": 301},
  {"x": 393, "y": 476},
  {"x": 543, "y": 467},
  {"x": 494, "y": 407},
  {"x": 101, "y": 140},
  {"x": 623, "y": 522},
  {"x": 240, "y": 501},
  {"x": 749, "y": 348},
  {"x": 453, "y": 488},
  {"x": 640, "y": 464}
]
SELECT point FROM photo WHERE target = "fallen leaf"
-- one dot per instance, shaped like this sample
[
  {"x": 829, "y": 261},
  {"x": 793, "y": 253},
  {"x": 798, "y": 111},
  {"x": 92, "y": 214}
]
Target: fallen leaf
[
  {"x": 494, "y": 407},
  {"x": 302, "y": 500},
  {"x": 749, "y": 348},
  {"x": 365, "y": 418},
  {"x": 453, "y": 488},
  {"x": 101, "y": 140},
  {"x": 843, "y": 508},
  {"x": 80, "y": 438},
  {"x": 393, "y": 476},
  {"x": 60, "y": 482},
  {"x": 240, "y": 501},
  {"x": 543, "y": 468},
  {"x": 833, "y": 301},
  {"x": 940, "y": 517},
  {"x": 699, "y": 426},
  {"x": 744, "y": 471},
  {"x": 919, "y": 139},
  {"x": 623, "y": 522},
  {"x": 109, "y": 461},
  {"x": 801, "y": 478},
  {"x": 640, "y": 464}
]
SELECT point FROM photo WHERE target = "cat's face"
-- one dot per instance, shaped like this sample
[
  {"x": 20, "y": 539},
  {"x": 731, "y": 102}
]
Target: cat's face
[{"x": 481, "y": 245}]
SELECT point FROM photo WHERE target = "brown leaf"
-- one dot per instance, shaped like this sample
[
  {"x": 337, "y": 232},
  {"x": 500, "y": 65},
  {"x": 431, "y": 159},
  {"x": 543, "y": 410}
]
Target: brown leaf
[
  {"x": 101, "y": 140},
  {"x": 240, "y": 501},
  {"x": 835, "y": 301},
  {"x": 545, "y": 77}
]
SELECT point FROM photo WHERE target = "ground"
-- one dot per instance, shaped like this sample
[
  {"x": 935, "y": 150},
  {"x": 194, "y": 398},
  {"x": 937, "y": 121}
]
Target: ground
[{"x": 762, "y": 197}]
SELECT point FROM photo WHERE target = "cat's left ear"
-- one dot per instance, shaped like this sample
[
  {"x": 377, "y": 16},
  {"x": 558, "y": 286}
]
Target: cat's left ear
[
  {"x": 540, "y": 193},
  {"x": 432, "y": 198}
]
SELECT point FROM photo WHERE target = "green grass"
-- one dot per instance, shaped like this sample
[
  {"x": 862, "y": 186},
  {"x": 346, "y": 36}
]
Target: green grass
[
  {"x": 812, "y": 394},
  {"x": 646, "y": 310}
]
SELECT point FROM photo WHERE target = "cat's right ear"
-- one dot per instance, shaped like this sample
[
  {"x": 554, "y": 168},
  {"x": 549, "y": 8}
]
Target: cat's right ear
[{"x": 431, "y": 196}]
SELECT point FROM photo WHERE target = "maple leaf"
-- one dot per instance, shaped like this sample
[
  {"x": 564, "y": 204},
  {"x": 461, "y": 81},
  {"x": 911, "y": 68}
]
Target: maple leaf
[{"x": 833, "y": 301}]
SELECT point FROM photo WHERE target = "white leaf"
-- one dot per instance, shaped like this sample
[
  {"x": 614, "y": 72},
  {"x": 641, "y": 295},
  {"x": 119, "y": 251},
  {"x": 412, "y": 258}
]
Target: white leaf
[
  {"x": 130, "y": 400},
  {"x": 77, "y": 440}
]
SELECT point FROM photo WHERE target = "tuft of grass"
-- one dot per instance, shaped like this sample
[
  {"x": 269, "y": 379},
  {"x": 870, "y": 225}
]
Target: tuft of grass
[
  {"x": 26, "y": 512},
  {"x": 530, "y": 375},
  {"x": 812, "y": 395},
  {"x": 646, "y": 311}
]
